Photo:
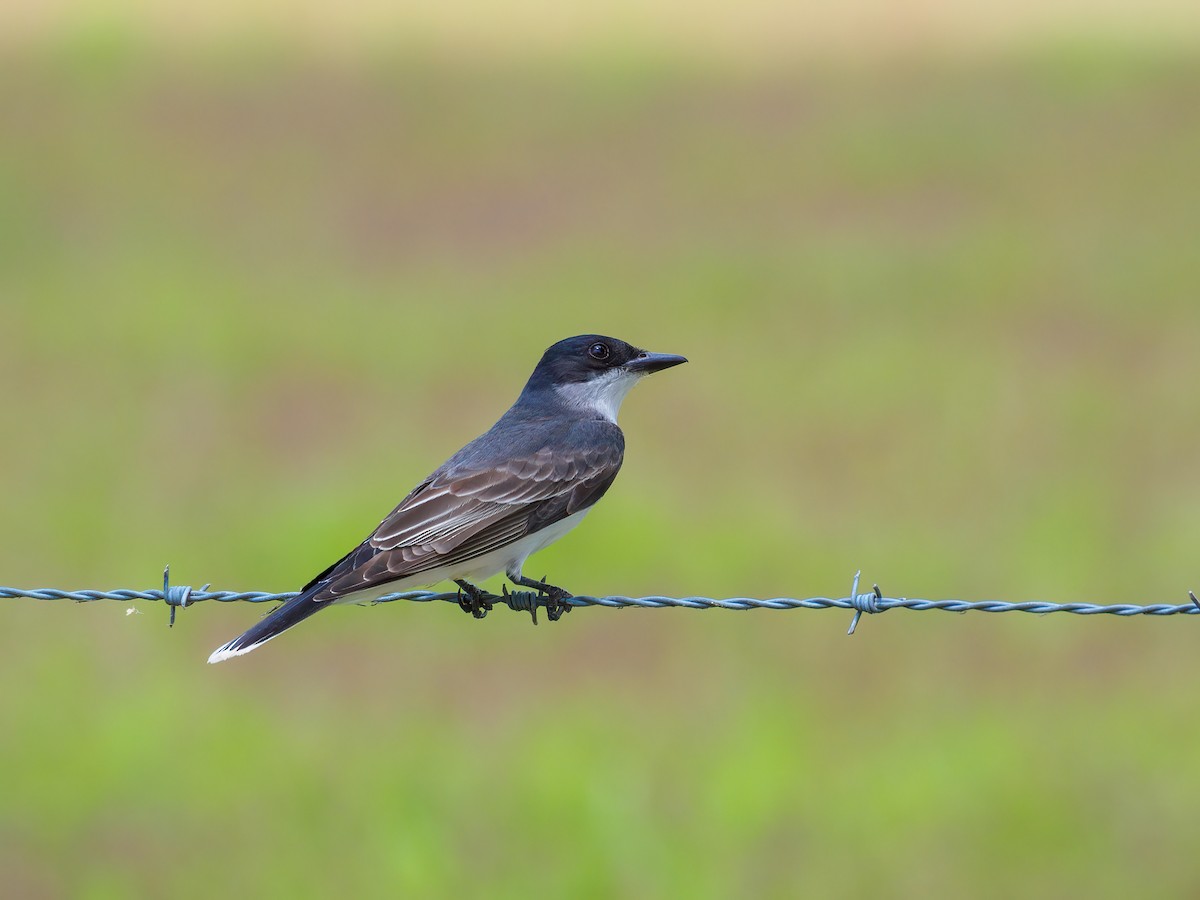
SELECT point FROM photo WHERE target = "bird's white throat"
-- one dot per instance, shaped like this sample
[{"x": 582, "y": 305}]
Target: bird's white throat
[{"x": 601, "y": 395}]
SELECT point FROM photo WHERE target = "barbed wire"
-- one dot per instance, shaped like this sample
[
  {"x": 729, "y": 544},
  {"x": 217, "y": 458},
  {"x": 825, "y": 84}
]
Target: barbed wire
[{"x": 180, "y": 596}]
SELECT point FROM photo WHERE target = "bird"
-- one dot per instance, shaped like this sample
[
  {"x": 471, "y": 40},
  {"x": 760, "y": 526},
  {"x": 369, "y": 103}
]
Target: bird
[{"x": 510, "y": 492}]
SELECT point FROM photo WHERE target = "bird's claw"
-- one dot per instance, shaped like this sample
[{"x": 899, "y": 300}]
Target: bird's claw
[
  {"x": 472, "y": 600},
  {"x": 556, "y": 601}
]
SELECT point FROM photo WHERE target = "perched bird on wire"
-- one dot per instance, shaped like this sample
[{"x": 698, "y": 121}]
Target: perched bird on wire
[{"x": 513, "y": 490}]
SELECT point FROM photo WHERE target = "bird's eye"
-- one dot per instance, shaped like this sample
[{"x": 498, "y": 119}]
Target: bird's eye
[{"x": 598, "y": 351}]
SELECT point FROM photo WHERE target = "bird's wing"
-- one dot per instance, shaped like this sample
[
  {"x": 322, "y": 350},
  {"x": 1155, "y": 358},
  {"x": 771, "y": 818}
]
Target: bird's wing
[{"x": 458, "y": 513}]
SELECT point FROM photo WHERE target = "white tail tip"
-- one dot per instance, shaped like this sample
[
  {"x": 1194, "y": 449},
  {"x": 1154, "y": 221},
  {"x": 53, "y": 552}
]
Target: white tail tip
[{"x": 230, "y": 650}]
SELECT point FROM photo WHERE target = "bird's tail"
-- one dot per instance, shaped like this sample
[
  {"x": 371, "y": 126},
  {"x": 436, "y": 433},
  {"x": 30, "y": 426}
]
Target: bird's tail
[{"x": 275, "y": 623}]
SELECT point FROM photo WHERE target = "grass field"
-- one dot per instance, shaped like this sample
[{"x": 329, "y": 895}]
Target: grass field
[{"x": 942, "y": 321}]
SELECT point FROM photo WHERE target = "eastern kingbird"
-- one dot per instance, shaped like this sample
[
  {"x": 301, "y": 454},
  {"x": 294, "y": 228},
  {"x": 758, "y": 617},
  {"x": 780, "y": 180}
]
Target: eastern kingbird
[{"x": 513, "y": 490}]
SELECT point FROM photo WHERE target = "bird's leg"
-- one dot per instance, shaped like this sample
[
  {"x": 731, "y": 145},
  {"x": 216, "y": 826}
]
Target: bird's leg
[
  {"x": 556, "y": 603},
  {"x": 475, "y": 600}
]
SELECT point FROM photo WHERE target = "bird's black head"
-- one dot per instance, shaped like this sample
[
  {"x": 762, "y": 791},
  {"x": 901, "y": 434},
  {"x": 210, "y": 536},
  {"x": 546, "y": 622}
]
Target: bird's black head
[
  {"x": 595, "y": 371},
  {"x": 588, "y": 356}
]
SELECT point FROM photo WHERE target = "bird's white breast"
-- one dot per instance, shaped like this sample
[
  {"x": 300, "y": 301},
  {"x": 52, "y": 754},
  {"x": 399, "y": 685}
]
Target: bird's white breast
[
  {"x": 511, "y": 557},
  {"x": 601, "y": 395}
]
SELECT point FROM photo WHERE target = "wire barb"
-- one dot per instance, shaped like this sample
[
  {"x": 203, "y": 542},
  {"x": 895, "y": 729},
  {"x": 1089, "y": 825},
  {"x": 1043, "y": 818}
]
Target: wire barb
[
  {"x": 863, "y": 603},
  {"x": 523, "y": 601},
  {"x": 174, "y": 597}
]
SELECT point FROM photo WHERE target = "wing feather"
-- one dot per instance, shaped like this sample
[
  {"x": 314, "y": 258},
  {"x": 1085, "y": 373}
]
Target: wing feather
[{"x": 464, "y": 511}]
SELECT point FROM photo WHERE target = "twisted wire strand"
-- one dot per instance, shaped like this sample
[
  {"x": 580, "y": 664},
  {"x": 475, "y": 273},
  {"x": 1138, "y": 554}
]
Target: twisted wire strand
[{"x": 178, "y": 597}]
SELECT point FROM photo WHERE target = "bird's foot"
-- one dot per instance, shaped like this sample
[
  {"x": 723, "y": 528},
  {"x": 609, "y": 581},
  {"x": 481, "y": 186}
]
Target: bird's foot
[
  {"x": 556, "y": 597},
  {"x": 556, "y": 603},
  {"x": 472, "y": 600}
]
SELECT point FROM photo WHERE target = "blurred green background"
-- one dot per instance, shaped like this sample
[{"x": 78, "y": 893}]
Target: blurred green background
[{"x": 936, "y": 273}]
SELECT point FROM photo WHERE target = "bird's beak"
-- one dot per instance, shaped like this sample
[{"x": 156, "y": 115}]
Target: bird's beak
[{"x": 646, "y": 362}]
